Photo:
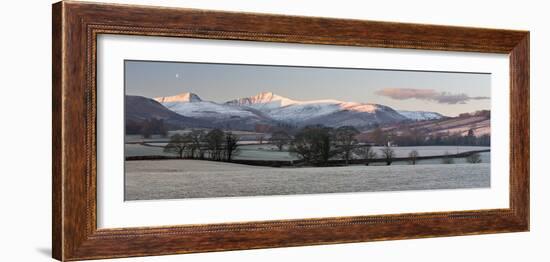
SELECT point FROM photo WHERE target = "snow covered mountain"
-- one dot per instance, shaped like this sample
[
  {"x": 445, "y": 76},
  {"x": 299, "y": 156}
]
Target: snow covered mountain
[
  {"x": 223, "y": 115},
  {"x": 267, "y": 108},
  {"x": 264, "y": 100},
  {"x": 420, "y": 115},
  {"x": 359, "y": 115},
  {"x": 285, "y": 109},
  {"x": 329, "y": 112},
  {"x": 138, "y": 109},
  {"x": 183, "y": 97},
  {"x": 190, "y": 104}
]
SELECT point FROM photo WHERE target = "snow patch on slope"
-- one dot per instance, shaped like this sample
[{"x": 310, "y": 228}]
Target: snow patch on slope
[{"x": 420, "y": 115}]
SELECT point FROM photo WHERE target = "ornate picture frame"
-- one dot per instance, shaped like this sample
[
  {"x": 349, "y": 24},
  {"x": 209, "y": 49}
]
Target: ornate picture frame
[{"x": 76, "y": 27}]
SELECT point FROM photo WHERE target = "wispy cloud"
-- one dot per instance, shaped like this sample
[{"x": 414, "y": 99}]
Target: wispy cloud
[{"x": 428, "y": 94}]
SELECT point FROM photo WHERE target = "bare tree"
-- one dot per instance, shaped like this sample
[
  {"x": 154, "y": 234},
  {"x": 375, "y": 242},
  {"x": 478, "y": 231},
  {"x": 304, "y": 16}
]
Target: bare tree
[
  {"x": 178, "y": 144},
  {"x": 280, "y": 139},
  {"x": 387, "y": 154},
  {"x": 367, "y": 153},
  {"x": 346, "y": 141},
  {"x": 447, "y": 159},
  {"x": 231, "y": 141},
  {"x": 215, "y": 144},
  {"x": 314, "y": 144},
  {"x": 197, "y": 143},
  {"x": 303, "y": 147},
  {"x": 413, "y": 155},
  {"x": 474, "y": 158},
  {"x": 326, "y": 148}
]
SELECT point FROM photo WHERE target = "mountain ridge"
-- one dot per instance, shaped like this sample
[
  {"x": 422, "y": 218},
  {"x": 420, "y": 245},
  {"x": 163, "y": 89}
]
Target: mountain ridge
[
  {"x": 139, "y": 109},
  {"x": 268, "y": 108},
  {"x": 182, "y": 97}
]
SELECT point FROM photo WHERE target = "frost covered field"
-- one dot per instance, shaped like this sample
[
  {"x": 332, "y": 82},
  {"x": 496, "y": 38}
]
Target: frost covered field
[{"x": 175, "y": 179}]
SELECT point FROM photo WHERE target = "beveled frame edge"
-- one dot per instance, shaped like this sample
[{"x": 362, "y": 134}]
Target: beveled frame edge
[{"x": 75, "y": 27}]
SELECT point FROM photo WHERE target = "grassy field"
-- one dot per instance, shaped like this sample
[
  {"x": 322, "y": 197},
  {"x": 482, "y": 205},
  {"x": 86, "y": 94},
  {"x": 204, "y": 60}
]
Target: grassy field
[{"x": 176, "y": 179}]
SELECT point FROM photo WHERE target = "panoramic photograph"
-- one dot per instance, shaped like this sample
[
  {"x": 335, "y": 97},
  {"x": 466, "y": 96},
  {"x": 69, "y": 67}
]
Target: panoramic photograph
[{"x": 206, "y": 130}]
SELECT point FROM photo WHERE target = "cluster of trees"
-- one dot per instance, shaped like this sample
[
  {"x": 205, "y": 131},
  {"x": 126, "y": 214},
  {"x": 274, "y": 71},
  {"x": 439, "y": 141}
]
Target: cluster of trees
[
  {"x": 215, "y": 145},
  {"x": 318, "y": 144}
]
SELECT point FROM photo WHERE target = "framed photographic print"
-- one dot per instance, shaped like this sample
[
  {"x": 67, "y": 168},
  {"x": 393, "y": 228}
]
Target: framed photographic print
[{"x": 182, "y": 130}]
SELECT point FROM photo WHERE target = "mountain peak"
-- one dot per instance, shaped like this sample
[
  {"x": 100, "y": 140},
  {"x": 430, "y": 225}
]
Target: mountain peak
[
  {"x": 264, "y": 98},
  {"x": 267, "y": 97},
  {"x": 183, "y": 97}
]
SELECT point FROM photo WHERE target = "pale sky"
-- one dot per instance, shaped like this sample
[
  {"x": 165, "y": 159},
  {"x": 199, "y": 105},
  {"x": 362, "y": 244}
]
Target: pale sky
[{"x": 443, "y": 92}]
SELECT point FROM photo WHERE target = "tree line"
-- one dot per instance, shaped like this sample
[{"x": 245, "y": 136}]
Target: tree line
[
  {"x": 314, "y": 145},
  {"x": 198, "y": 144},
  {"x": 318, "y": 145}
]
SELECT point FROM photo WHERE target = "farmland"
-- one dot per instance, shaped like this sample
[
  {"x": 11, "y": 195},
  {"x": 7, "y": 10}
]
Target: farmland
[
  {"x": 174, "y": 179},
  {"x": 260, "y": 168}
]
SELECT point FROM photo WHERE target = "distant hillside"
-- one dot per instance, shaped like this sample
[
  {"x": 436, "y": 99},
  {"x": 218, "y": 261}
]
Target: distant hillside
[
  {"x": 478, "y": 122},
  {"x": 466, "y": 129},
  {"x": 219, "y": 115},
  {"x": 139, "y": 109}
]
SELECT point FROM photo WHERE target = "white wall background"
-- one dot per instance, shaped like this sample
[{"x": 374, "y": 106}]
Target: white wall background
[{"x": 25, "y": 147}]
